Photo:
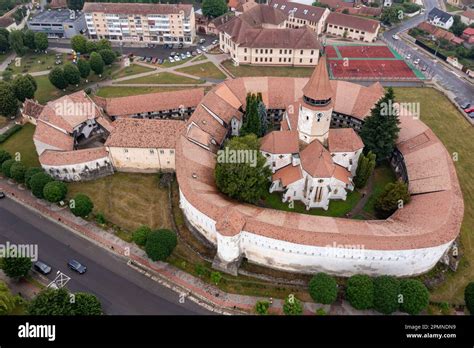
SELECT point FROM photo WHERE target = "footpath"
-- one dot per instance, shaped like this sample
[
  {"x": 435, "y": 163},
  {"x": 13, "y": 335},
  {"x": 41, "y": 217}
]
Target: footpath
[{"x": 193, "y": 288}]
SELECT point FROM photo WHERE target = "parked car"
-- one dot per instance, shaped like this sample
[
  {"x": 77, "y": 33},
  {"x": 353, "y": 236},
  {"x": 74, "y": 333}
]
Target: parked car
[
  {"x": 194, "y": 53},
  {"x": 160, "y": 61},
  {"x": 2, "y": 195},
  {"x": 395, "y": 37},
  {"x": 142, "y": 59},
  {"x": 148, "y": 60},
  {"x": 172, "y": 54},
  {"x": 469, "y": 110},
  {"x": 188, "y": 54},
  {"x": 180, "y": 45},
  {"x": 171, "y": 59},
  {"x": 198, "y": 51},
  {"x": 416, "y": 61},
  {"x": 154, "y": 60},
  {"x": 471, "y": 114},
  {"x": 177, "y": 59},
  {"x": 183, "y": 56},
  {"x": 42, "y": 267},
  {"x": 215, "y": 42},
  {"x": 424, "y": 68},
  {"x": 408, "y": 56},
  {"x": 77, "y": 266},
  {"x": 204, "y": 49},
  {"x": 201, "y": 41},
  {"x": 464, "y": 104}
]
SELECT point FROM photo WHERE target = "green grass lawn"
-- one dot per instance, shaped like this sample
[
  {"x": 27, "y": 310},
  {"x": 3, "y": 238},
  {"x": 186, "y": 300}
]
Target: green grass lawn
[
  {"x": 168, "y": 64},
  {"x": 33, "y": 62},
  {"x": 383, "y": 175},
  {"x": 199, "y": 58},
  {"x": 128, "y": 200},
  {"x": 162, "y": 78},
  {"x": 458, "y": 136},
  {"x": 133, "y": 69},
  {"x": 22, "y": 142},
  {"x": 282, "y": 71},
  {"x": 205, "y": 70},
  {"x": 337, "y": 208}
]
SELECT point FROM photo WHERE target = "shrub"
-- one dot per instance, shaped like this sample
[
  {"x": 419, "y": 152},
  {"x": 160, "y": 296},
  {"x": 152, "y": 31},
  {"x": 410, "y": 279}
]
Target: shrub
[
  {"x": 29, "y": 173},
  {"x": 360, "y": 291},
  {"x": 81, "y": 205},
  {"x": 4, "y": 155},
  {"x": 415, "y": 296},
  {"x": 38, "y": 182},
  {"x": 16, "y": 267},
  {"x": 6, "y": 167},
  {"x": 216, "y": 277},
  {"x": 17, "y": 172},
  {"x": 160, "y": 244},
  {"x": 390, "y": 198},
  {"x": 100, "y": 219},
  {"x": 386, "y": 290},
  {"x": 200, "y": 270},
  {"x": 320, "y": 311},
  {"x": 292, "y": 306},
  {"x": 323, "y": 288},
  {"x": 55, "y": 191},
  {"x": 469, "y": 297},
  {"x": 261, "y": 307},
  {"x": 9, "y": 133},
  {"x": 141, "y": 234}
]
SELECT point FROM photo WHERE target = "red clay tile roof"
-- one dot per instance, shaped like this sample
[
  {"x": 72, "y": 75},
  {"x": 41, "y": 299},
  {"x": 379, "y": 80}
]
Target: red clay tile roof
[
  {"x": 32, "y": 108},
  {"x": 318, "y": 86},
  {"x": 288, "y": 175},
  {"x": 342, "y": 174},
  {"x": 344, "y": 140},
  {"x": 230, "y": 222},
  {"x": 280, "y": 142},
  {"x": 468, "y": 31},
  {"x": 124, "y": 106},
  {"x": 145, "y": 133},
  {"x": 317, "y": 161},
  {"x": 53, "y": 137},
  {"x": 364, "y": 24},
  {"x": 307, "y": 12},
  {"x": 335, "y": 4},
  {"x": 61, "y": 158},
  {"x": 136, "y": 8}
]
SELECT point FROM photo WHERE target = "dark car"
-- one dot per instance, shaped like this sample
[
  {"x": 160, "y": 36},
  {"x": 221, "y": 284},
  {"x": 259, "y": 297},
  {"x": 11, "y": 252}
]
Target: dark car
[
  {"x": 464, "y": 104},
  {"x": 77, "y": 266},
  {"x": 42, "y": 267},
  {"x": 2, "y": 195},
  {"x": 471, "y": 114}
]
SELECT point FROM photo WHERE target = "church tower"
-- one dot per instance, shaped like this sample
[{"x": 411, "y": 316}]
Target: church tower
[{"x": 316, "y": 107}]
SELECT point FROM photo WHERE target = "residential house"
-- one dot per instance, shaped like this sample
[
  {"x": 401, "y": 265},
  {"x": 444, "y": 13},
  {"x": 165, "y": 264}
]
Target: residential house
[{"x": 440, "y": 18}]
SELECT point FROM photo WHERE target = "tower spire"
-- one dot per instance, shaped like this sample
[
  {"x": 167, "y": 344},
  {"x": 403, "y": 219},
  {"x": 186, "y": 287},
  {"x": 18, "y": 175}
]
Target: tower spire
[{"x": 318, "y": 90}]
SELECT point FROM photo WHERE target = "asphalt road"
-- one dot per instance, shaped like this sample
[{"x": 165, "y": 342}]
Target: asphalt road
[
  {"x": 444, "y": 76},
  {"x": 121, "y": 289}
]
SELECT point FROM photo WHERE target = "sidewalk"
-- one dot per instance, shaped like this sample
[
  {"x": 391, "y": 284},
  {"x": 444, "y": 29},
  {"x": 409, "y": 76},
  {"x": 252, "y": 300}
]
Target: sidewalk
[{"x": 194, "y": 288}]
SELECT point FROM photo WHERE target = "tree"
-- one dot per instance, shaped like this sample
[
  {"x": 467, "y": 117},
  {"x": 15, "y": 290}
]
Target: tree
[
  {"x": 75, "y": 4},
  {"x": 4, "y": 44},
  {"x": 103, "y": 44},
  {"x": 319, "y": 4},
  {"x": 41, "y": 41},
  {"x": 245, "y": 179},
  {"x": 17, "y": 172},
  {"x": 141, "y": 234},
  {"x": 7, "y": 300},
  {"x": 29, "y": 39},
  {"x": 261, "y": 307},
  {"x": 391, "y": 15},
  {"x": 380, "y": 130},
  {"x": 393, "y": 196},
  {"x": 8, "y": 100},
  {"x": 84, "y": 68},
  {"x": 6, "y": 167},
  {"x": 458, "y": 26},
  {"x": 29, "y": 173},
  {"x": 16, "y": 42},
  {"x": 216, "y": 277},
  {"x": 55, "y": 191},
  {"x": 81, "y": 205},
  {"x": 360, "y": 291},
  {"x": 214, "y": 8},
  {"x": 262, "y": 114},
  {"x": 71, "y": 74},
  {"x": 86, "y": 304},
  {"x": 292, "y": 306},
  {"x": 414, "y": 296},
  {"x": 469, "y": 297},
  {"x": 386, "y": 290},
  {"x": 37, "y": 183},
  {"x": 108, "y": 56},
  {"x": 323, "y": 288},
  {"x": 365, "y": 168},
  {"x": 78, "y": 43},
  {"x": 252, "y": 120},
  {"x": 91, "y": 46},
  {"x": 23, "y": 87},
  {"x": 160, "y": 244},
  {"x": 96, "y": 63},
  {"x": 4, "y": 155},
  {"x": 15, "y": 266},
  {"x": 57, "y": 78}
]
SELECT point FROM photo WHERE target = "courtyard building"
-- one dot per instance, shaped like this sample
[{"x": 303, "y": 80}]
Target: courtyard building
[
  {"x": 58, "y": 23},
  {"x": 139, "y": 22},
  {"x": 352, "y": 27}
]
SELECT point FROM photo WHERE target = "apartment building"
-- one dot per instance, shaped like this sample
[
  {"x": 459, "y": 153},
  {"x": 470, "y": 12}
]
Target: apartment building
[
  {"x": 140, "y": 22},
  {"x": 259, "y": 36},
  {"x": 300, "y": 15},
  {"x": 352, "y": 27}
]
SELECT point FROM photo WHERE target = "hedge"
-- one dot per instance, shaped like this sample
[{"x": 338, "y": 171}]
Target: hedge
[{"x": 9, "y": 133}]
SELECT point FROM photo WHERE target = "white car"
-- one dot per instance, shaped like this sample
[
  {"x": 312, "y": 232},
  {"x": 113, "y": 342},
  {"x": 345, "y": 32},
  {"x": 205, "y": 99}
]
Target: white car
[
  {"x": 395, "y": 37},
  {"x": 408, "y": 56},
  {"x": 171, "y": 59},
  {"x": 215, "y": 42},
  {"x": 204, "y": 49},
  {"x": 177, "y": 59},
  {"x": 198, "y": 51},
  {"x": 416, "y": 61},
  {"x": 202, "y": 41},
  {"x": 188, "y": 54}
]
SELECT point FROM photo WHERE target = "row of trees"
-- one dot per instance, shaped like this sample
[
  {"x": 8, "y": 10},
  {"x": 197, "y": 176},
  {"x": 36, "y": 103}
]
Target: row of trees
[
  {"x": 42, "y": 185},
  {"x": 158, "y": 244},
  {"x": 11, "y": 92},
  {"x": 365, "y": 168},
  {"x": 255, "y": 117},
  {"x": 20, "y": 41}
]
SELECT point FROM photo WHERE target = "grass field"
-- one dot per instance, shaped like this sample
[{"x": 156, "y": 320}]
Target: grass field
[
  {"x": 128, "y": 200},
  {"x": 282, "y": 71},
  {"x": 383, "y": 175},
  {"x": 199, "y": 58},
  {"x": 162, "y": 78},
  {"x": 458, "y": 136},
  {"x": 32, "y": 62},
  {"x": 206, "y": 70},
  {"x": 337, "y": 208},
  {"x": 133, "y": 69},
  {"x": 22, "y": 142},
  {"x": 123, "y": 91}
]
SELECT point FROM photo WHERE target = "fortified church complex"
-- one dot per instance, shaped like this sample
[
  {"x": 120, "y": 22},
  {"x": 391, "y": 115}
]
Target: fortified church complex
[{"x": 313, "y": 157}]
